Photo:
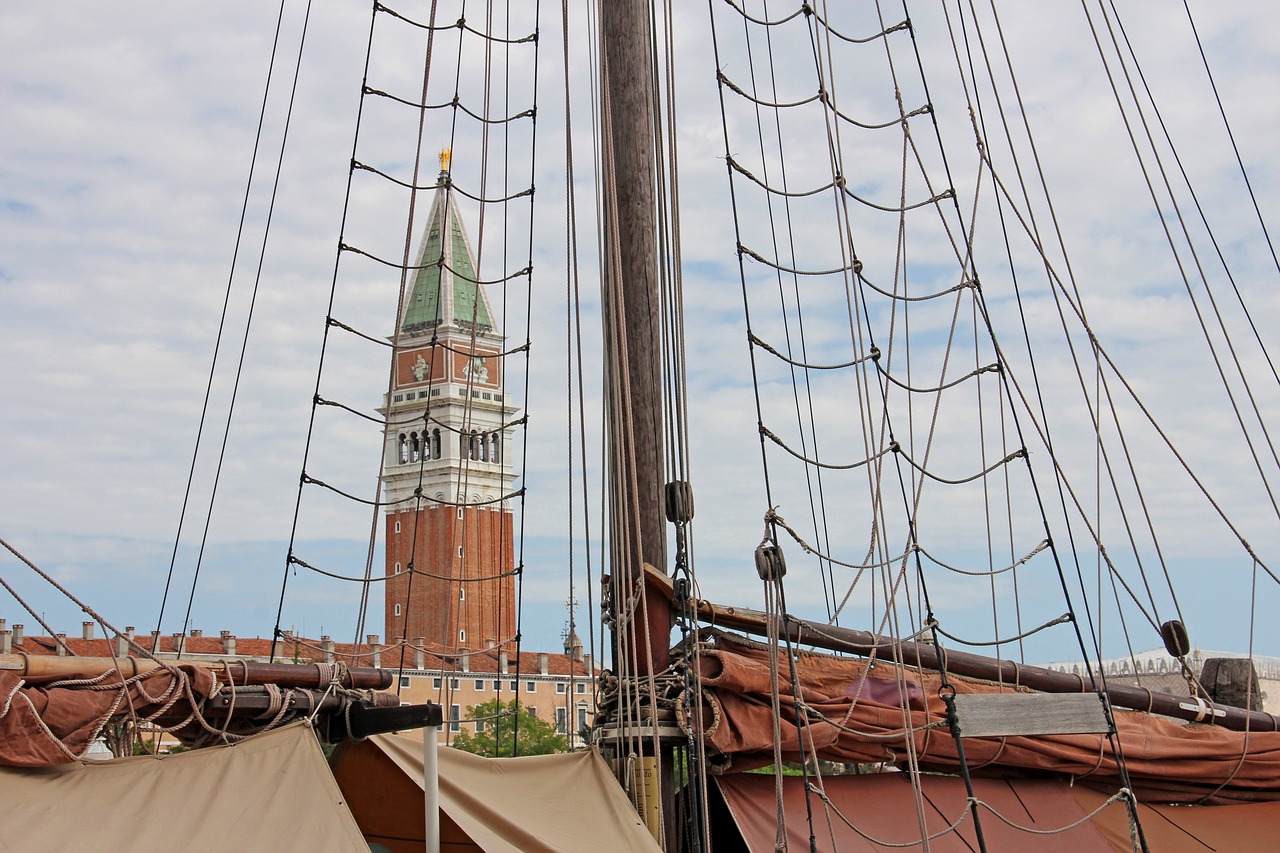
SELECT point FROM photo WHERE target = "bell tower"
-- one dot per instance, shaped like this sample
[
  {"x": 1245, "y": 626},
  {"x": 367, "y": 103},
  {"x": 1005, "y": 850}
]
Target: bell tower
[{"x": 447, "y": 475}]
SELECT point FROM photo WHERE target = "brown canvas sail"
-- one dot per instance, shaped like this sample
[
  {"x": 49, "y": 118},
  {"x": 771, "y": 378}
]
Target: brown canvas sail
[{"x": 872, "y": 712}]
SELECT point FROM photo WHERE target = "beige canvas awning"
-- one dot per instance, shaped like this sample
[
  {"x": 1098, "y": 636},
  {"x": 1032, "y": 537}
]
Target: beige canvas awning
[
  {"x": 271, "y": 792},
  {"x": 568, "y": 802}
]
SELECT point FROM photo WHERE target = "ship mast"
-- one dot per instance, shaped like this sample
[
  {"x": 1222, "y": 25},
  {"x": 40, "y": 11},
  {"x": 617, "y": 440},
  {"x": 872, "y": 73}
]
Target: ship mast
[
  {"x": 631, "y": 318},
  {"x": 631, "y": 312}
]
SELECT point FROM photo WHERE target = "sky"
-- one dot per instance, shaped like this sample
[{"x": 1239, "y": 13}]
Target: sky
[{"x": 128, "y": 132}]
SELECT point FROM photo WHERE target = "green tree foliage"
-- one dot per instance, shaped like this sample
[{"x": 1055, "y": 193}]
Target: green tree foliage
[{"x": 507, "y": 728}]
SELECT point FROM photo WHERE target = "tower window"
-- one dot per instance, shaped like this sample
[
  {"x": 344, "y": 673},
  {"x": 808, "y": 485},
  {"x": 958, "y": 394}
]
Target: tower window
[
  {"x": 397, "y": 609},
  {"x": 397, "y": 568},
  {"x": 459, "y": 512},
  {"x": 435, "y": 443},
  {"x": 404, "y": 449},
  {"x": 462, "y": 636},
  {"x": 415, "y": 449},
  {"x": 397, "y": 527},
  {"x": 462, "y": 595},
  {"x": 459, "y": 551}
]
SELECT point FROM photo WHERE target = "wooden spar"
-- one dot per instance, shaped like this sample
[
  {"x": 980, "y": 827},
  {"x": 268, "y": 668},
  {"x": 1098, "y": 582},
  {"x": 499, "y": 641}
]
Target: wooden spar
[
  {"x": 637, "y": 524},
  {"x": 38, "y": 668},
  {"x": 835, "y": 638}
]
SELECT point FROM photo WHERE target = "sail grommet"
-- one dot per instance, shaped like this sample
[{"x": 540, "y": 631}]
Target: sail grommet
[{"x": 770, "y": 564}]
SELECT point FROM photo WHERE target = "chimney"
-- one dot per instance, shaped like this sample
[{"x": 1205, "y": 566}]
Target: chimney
[
  {"x": 503, "y": 662},
  {"x": 18, "y": 639},
  {"x": 4, "y": 623},
  {"x": 375, "y": 650},
  {"x": 419, "y": 656},
  {"x": 179, "y": 643},
  {"x": 228, "y": 643},
  {"x": 586, "y": 666},
  {"x": 86, "y": 630},
  {"x": 466, "y": 661},
  {"x": 6, "y": 641},
  {"x": 542, "y": 663},
  {"x": 128, "y": 631},
  {"x": 326, "y": 643},
  {"x": 61, "y": 640},
  {"x": 197, "y": 632},
  {"x": 155, "y": 643},
  {"x": 122, "y": 644}
]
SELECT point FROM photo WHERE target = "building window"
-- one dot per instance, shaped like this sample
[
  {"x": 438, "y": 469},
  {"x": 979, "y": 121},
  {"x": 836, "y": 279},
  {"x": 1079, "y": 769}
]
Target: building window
[
  {"x": 479, "y": 685},
  {"x": 479, "y": 726},
  {"x": 455, "y": 716},
  {"x": 582, "y": 687},
  {"x": 497, "y": 686},
  {"x": 404, "y": 681},
  {"x": 582, "y": 717},
  {"x": 435, "y": 682},
  {"x": 453, "y": 684},
  {"x": 532, "y": 710},
  {"x": 531, "y": 687},
  {"x": 513, "y": 687},
  {"x": 562, "y": 719},
  {"x": 397, "y": 609},
  {"x": 560, "y": 686}
]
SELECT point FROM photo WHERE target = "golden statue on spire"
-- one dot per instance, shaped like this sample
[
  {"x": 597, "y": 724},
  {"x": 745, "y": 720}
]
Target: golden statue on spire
[{"x": 446, "y": 156}]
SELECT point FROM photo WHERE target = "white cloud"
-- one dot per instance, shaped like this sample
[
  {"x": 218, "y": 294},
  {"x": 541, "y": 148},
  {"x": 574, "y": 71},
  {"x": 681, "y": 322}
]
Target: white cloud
[{"x": 128, "y": 132}]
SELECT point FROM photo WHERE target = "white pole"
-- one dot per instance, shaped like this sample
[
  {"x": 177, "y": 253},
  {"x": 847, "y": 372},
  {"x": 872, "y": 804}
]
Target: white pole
[{"x": 431, "y": 787}]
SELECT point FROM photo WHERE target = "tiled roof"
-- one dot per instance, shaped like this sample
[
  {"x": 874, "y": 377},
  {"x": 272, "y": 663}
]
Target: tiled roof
[{"x": 307, "y": 651}]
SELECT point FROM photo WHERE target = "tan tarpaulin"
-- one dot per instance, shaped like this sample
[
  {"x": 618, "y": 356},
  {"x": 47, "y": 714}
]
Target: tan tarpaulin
[
  {"x": 567, "y": 803},
  {"x": 271, "y": 792}
]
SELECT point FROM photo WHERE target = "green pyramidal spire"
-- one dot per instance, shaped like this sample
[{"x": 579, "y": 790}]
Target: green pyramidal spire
[{"x": 445, "y": 288}]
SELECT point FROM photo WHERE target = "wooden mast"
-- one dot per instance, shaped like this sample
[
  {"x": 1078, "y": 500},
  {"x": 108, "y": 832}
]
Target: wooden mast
[
  {"x": 631, "y": 310},
  {"x": 631, "y": 317}
]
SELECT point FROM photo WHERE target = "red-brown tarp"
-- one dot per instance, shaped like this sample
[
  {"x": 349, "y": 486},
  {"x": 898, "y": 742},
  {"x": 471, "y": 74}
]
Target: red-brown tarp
[
  {"x": 860, "y": 711},
  {"x": 1045, "y": 816},
  {"x": 56, "y": 724}
]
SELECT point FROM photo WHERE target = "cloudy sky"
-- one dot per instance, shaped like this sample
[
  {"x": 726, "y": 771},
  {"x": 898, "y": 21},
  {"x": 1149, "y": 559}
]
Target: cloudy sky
[{"x": 128, "y": 131}]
